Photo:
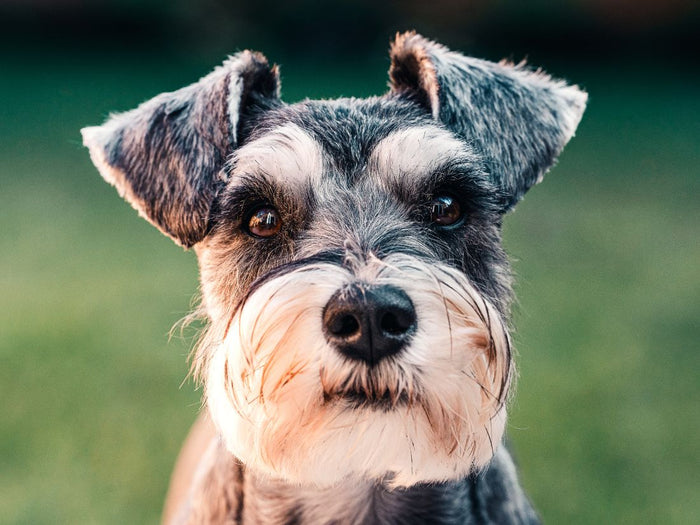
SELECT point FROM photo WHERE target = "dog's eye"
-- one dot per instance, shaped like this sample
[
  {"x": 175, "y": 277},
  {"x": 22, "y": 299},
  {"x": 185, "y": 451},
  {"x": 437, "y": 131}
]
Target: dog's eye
[
  {"x": 444, "y": 210},
  {"x": 264, "y": 222}
]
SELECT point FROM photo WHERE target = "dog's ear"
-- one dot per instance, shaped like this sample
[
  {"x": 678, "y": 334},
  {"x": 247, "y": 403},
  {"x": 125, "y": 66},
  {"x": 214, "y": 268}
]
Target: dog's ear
[
  {"x": 519, "y": 120},
  {"x": 166, "y": 157}
]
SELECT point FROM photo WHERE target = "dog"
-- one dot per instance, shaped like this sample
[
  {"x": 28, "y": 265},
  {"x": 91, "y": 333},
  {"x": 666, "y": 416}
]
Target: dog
[{"x": 357, "y": 362}]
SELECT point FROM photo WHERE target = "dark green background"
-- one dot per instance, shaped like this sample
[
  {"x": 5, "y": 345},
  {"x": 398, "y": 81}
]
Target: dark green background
[{"x": 605, "y": 422}]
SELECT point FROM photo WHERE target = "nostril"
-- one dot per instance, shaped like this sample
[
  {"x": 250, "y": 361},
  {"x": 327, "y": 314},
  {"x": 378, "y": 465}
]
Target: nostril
[
  {"x": 344, "y": 325},
  {"x": 390, "y": 324},
  {"x": 397, "y": 322}
]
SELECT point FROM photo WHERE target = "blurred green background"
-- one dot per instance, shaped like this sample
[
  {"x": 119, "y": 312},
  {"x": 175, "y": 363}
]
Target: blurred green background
[{"x": 606, "y": 419}]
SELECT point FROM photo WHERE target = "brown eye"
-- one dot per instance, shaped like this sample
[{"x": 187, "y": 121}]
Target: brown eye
[
  {"x": 444, "y": 210},
  {"x": 264, "y": 222}
]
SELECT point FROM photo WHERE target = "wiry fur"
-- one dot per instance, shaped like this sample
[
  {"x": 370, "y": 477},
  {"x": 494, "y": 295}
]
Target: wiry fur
[
  {"x": 287, "y": 403},
  {"x": 517, "y": 118},
  {"x": 416, "y": 436},
  {"x": 165, "y": 157},
  {"x": 491, "y": 496}
]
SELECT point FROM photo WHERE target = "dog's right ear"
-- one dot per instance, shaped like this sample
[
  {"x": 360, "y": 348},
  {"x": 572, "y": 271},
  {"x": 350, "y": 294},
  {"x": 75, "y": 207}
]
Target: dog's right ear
[{"x": 167, "y": 156}]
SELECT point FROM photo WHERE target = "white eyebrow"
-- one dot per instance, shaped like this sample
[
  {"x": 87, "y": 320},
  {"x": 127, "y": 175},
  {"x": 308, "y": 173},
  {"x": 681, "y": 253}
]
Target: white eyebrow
[
  {"x": 413, "y": 153},
  {"x": 286, "y": 154}
]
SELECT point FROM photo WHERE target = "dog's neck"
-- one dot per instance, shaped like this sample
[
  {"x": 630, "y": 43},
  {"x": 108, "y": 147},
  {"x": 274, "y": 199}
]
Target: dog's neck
[
  {"x": 243, "y": 496},
  {"x": 353, "y": 501}
]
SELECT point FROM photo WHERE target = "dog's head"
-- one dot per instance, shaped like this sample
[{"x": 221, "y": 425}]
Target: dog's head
[{"x": 350, "y": 253}]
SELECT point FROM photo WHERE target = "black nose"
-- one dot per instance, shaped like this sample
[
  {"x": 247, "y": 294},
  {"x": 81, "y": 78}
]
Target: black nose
[{"x": 369, "y": 323}]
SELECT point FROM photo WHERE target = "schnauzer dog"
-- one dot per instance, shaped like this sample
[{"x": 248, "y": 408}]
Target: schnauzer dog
[{"x": 357, "y": 361}]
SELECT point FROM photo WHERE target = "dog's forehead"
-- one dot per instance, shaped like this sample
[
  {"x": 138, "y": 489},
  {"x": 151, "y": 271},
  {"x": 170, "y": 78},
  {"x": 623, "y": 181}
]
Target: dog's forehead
[{"x": 347, "y": 138}]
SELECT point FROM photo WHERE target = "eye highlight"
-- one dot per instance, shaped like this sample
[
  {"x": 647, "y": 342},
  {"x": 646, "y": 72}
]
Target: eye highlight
[
  {"x": 445, "y": 210},
  {"x": 264, "y": 222}
]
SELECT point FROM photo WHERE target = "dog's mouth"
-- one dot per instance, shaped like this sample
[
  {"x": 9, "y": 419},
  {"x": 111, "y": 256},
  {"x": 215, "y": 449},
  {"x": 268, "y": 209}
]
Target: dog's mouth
[
  {"x": 383, "y": 389},
  {"x": 358, "y": 398}
]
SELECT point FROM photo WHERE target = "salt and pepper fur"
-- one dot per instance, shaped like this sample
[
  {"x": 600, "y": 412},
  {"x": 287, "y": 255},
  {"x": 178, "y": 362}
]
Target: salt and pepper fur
[{"x": 307, "y": 435}]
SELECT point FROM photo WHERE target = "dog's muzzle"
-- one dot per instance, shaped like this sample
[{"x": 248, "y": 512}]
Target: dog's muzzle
[
  {"x": 369, "y": 323},
  {"x": 321, "y": 359}
]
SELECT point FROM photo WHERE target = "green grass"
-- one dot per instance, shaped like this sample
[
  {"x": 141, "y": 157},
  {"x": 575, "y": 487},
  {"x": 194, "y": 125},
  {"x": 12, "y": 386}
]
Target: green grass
[{"x": 605, "y": 419}]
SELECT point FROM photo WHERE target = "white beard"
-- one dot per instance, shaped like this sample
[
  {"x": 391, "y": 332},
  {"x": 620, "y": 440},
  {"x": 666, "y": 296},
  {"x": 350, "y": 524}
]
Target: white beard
[{"x": 274, "y": 386}]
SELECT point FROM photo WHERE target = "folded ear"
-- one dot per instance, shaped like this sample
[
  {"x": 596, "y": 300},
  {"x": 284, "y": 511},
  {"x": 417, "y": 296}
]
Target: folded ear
[
  {"x": 519, "y": 120},
  {"x": 166, "y": 156}
]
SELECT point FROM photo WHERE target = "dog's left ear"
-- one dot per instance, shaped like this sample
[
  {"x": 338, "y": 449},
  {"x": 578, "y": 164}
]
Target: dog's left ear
[
  {"x": 518, "y": 120},
  {"x": 167, "y": 156}
]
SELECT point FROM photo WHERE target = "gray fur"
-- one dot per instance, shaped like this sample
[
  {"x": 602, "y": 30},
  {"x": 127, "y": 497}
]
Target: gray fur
[
  {"x": 177, "y": 159},
  {"x": 229, "y": 494},
  {"x": 348, "y": 206},
  {"x": 165, "y": 156},
  {"x": 518, "y": 119}
]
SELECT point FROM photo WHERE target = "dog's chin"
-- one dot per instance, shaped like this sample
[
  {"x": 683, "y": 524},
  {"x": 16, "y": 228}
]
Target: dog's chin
[
  {"x": 322, "y": 439},
  {"x": 362, "y": 443}
]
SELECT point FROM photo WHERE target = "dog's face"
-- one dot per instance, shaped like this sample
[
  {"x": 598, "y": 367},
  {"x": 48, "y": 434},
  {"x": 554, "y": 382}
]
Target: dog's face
[
  {"x": 349, "y": 253},
  {"x": 361, "y": 332}
]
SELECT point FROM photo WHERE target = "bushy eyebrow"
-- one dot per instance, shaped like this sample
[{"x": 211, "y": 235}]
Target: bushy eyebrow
[
  {"x": 416, "y": 164},
  {"x": 287, "y": 153}
]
